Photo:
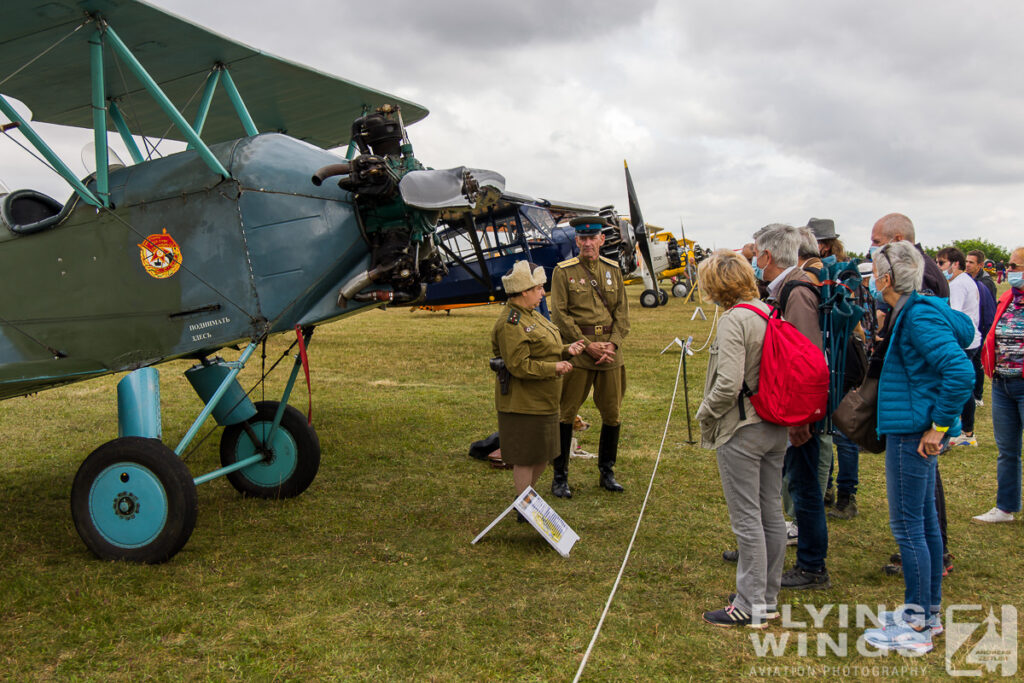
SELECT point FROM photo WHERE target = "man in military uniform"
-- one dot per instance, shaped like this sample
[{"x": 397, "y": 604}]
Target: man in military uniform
[{"x": 588, "y": 301}]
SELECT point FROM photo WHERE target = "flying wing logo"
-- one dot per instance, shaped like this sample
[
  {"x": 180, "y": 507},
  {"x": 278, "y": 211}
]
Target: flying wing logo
[{"x": 161, "y": 255}]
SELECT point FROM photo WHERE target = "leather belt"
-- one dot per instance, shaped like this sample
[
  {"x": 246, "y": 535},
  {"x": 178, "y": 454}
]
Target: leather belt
[{"x": 596, "y": 329}]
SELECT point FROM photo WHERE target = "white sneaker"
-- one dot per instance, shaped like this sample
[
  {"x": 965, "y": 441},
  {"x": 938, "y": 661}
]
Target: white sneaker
[
  {"x": 893, "y": 619},
  {"x": 964, "y": 440},
  {"x": 979, "y": 403},
  {"x": 577, "y": 452},
  {"x": 992, "y": 516},
  {"x": 900, "y": 638},
  {"x": 791, "y": 533}
]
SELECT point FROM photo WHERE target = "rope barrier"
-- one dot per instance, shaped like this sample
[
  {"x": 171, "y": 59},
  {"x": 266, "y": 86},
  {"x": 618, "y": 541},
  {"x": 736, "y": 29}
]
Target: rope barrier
[
  {"x": 629, "y": 549},
  {"x": 711, "y": 332}
]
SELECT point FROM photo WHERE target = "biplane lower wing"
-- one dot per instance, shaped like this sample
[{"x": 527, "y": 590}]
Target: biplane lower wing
[{"x": 28, "y": 377}]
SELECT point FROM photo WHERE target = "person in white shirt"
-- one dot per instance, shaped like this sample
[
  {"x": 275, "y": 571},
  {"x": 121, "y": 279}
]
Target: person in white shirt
[{"x": 963, "y": 297}]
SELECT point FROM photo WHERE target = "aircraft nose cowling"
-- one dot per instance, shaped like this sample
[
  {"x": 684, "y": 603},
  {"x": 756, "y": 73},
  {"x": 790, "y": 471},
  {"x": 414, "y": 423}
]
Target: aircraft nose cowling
[{"x": 450, "y": 188}]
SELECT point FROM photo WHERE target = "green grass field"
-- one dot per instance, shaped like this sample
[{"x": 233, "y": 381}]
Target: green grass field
[{"x": 370, "y": 574}]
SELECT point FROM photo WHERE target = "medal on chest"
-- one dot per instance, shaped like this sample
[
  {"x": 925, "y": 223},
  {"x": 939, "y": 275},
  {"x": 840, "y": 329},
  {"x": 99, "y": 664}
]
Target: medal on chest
[{"x": 608, "y": 277}]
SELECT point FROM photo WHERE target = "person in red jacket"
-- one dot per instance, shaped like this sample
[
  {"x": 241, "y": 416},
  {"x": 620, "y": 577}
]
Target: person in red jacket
[{"x": 1002, "y": 356}]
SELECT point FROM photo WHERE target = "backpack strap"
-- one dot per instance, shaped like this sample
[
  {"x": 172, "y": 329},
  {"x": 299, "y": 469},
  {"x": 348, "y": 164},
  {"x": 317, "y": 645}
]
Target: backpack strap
[
  {"x": 755, "y": 309},
  {"x": 788, "y": 288},
  {"x": 745, "y": 391}
]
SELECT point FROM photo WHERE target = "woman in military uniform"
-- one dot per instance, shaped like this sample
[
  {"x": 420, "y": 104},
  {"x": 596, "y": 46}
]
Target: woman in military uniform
[{"x": 535, "y": 360}]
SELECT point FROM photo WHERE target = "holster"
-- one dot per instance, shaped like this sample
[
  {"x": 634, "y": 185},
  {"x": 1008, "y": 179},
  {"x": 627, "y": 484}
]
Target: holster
[{"x": 504, "y": 376}]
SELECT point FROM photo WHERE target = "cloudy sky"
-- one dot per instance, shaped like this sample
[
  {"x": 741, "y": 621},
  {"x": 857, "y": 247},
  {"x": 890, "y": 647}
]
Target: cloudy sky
[{"x": 730, "y": 114}]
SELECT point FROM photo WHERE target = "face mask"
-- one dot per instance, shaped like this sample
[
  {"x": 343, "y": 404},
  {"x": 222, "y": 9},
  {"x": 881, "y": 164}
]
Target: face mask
[
  {"x": 829, "y": 260},
  {"x": 874, "y": 290},
  {"x": 949, "y": 275},
  {"x": 871, "y": 252},
  {"x": 758, "y": 270},
  {"x": 1015, "y": 278}
]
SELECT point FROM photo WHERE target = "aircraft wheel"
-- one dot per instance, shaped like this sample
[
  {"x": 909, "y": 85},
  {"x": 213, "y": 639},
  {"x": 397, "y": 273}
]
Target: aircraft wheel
[
  {"x": 662, "y": 297},
  {"x": 649, "y": 298},
  {"x": 294, "y": 455},
  {"x": 680, "y": 290},
  {"x": 133, "y": 499}
]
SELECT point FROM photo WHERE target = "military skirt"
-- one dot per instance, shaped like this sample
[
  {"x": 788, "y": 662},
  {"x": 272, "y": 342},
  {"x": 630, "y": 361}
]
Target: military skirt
[{"x": 528, "y": 439}]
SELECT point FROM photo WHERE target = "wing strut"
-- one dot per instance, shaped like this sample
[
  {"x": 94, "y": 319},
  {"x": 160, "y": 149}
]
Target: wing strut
[
  {"x": 99, "y": 117},
  {"x": 204, "y": 104},
  {"x": 126, "y": 134},
  {"x": 165, "y": 103},
  {"x": 48, "y": 153}
]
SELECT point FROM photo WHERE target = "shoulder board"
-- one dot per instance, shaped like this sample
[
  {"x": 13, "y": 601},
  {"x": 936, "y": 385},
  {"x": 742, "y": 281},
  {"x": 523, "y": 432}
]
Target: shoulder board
[
  {"x": 569, "y": 262},
  {"x": 609, "y": 261},
  {"x": 513, "y": 317}
]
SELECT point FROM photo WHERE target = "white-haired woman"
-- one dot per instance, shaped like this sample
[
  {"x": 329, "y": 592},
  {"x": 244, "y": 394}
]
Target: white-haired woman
[
  {"x": 925, "y": 379},
  {"x": 535, "y": 358}
]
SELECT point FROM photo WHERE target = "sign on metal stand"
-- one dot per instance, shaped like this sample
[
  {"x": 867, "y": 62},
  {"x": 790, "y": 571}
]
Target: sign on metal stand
[{"x": 541, "y": 517}]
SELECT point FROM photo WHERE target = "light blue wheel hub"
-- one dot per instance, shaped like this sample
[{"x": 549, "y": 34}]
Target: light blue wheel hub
[
  {"x": 281, "y": 463},
  {"x": 128, "y": 505}
]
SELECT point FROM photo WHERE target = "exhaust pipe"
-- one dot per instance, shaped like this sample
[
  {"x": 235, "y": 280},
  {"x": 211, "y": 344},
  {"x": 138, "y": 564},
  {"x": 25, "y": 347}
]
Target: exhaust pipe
[{"x": 328, "y": 171}]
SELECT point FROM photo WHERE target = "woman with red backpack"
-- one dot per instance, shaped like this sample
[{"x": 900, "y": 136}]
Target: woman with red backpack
[{"x": 750, "y": 450}]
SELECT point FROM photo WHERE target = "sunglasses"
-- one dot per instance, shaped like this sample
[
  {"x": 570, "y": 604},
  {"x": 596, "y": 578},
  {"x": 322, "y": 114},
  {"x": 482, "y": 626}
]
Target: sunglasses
[{"x": 1015, "y": 266}]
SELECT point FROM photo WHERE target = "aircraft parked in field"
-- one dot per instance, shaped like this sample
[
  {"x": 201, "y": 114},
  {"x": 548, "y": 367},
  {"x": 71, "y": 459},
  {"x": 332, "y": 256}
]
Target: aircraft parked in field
[
  {"x": 234, "y": 239},
  {"x": 481, "y": 245}
]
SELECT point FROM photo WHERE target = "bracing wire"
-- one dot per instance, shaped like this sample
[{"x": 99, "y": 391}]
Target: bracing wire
[
  {"x": 636, "y": 529},
  {"x": 44, "y": 52},
  {"x": 261, "y": 382},
  {"x": 242, "y": 309},
  {"x": 30, "y": 152}
]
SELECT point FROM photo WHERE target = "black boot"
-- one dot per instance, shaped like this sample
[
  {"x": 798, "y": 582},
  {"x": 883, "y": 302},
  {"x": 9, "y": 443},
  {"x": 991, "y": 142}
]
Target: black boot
[
  {"x": 607, "y": 450},
  {"x": 560, "y": 480}
]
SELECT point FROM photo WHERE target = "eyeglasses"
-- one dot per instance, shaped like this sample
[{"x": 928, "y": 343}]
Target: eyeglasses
[
  {"x": 884, "y": 251},
  {"x": 942, "y": 264}
]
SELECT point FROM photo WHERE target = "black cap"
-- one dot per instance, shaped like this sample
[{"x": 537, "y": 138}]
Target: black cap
[{"x": 589, "y": 225}]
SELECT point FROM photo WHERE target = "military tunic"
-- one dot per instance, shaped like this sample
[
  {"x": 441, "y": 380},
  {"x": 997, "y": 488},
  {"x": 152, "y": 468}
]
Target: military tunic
[
  {"x": 580, "y": 313},
  {"x": 528, "y": 414}
]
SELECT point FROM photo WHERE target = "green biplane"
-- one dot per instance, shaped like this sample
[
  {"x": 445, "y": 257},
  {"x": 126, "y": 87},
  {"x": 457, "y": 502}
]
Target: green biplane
[{"x": 233, "y": 239}]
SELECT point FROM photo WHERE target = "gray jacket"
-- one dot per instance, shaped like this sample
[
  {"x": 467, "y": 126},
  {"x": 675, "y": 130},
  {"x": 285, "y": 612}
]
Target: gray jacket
[{"x": 734, "y": 357}]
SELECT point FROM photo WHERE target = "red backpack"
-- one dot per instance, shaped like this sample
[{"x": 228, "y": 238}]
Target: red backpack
[{"x": 792, "y": 385}]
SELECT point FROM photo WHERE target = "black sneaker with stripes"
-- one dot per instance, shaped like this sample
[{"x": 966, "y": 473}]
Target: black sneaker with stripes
[{"x": 732, "y": 616}]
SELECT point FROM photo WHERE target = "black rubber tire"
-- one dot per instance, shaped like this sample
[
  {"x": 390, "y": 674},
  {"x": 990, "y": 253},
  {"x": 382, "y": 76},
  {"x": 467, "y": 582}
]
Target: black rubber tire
[
  {"x": 307, "y": 453},
  {"x": 173, "y": 476},
  {"x": 662, "y": 297},
  {"x": 680, "y": 290},
  {"x": 649, "y": 298}
]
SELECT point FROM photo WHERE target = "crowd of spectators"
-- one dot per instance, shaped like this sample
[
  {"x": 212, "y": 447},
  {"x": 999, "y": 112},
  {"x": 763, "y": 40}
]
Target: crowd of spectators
[{"x": 932, "y": 331}]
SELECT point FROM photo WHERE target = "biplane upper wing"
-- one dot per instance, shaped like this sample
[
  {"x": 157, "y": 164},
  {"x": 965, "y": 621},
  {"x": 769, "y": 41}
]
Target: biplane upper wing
[{"x": 280, "y": 95}]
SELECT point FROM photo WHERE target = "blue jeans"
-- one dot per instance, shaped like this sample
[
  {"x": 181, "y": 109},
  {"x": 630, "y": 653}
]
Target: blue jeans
[
  {"x": 979, "y": 378},
  {"x": 967, "y": 413},
  {"x": 808, "y": 506},
  {"x": 1007, "y": 422},
  {"x": 848, "y": 460},
  {"x": 910, "y": 485}
]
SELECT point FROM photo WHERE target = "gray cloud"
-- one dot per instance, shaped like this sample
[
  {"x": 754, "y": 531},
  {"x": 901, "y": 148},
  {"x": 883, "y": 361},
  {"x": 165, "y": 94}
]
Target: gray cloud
[{"x": 731, "y": 114}]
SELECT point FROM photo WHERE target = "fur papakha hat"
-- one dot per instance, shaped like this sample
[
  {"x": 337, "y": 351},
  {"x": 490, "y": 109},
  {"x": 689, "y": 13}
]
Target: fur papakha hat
[{"x": 519, "y": 279}]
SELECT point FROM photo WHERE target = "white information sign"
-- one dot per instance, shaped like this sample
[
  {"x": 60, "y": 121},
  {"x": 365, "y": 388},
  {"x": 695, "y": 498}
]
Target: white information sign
[{"x": 543, "y": 518}]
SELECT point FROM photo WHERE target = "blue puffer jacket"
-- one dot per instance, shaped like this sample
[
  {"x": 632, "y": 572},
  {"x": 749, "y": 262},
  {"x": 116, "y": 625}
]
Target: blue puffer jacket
[{"x": 926, "y": 377}]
